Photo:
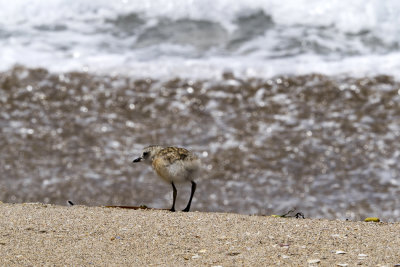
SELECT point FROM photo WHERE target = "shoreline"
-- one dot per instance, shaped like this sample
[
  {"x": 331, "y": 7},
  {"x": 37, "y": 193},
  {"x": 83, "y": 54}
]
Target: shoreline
[{"x": 43, "y": 234}]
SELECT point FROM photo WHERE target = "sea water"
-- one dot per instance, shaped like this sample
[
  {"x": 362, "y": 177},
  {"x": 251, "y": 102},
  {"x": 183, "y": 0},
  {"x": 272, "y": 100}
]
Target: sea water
[{"x": 202, "y": 38}]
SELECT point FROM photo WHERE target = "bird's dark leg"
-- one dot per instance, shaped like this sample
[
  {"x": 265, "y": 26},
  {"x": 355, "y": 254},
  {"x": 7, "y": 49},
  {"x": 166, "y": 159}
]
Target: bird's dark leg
[
  {"x": 174, "y": 192},
  {"x": 191, "y": 196}
]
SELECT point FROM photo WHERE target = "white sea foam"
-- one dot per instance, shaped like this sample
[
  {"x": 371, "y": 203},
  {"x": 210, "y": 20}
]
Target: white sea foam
[{"x": 190, "y": 39}]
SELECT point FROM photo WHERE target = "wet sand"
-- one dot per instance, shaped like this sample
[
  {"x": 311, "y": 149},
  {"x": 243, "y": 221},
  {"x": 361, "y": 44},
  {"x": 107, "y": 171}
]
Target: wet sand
[{"x": 42, "y": 234}]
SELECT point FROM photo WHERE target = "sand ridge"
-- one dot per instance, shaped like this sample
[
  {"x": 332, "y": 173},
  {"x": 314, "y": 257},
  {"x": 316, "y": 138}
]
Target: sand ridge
[{"x": 41, "y": 234}]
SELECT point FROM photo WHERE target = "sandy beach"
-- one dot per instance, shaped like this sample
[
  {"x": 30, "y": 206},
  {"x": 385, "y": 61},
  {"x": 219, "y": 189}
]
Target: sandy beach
[{"x": 42, "y": 235}]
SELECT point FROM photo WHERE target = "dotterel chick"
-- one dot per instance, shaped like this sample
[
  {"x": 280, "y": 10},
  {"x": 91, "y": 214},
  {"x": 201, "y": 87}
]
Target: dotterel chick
[{"x": 174, "y": 165}]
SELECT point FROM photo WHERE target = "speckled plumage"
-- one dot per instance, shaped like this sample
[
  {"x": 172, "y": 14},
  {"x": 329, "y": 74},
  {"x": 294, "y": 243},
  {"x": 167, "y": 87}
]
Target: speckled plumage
[{"x": 173, "y": 165}]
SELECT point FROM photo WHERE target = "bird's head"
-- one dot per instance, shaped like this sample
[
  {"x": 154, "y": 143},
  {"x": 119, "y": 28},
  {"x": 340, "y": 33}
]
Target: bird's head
[{"x": 148, "y": 154}]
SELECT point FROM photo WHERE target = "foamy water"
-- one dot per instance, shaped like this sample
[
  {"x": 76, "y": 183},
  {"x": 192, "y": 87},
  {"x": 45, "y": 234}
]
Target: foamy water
[{"x": 202, "y": 39}]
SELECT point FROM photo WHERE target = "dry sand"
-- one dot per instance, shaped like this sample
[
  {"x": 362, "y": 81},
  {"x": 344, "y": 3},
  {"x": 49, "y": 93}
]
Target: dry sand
[{"x": 42, "y": 235}]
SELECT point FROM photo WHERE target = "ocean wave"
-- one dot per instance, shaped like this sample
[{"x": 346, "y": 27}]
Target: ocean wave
[{"x": 261, "y": 38}]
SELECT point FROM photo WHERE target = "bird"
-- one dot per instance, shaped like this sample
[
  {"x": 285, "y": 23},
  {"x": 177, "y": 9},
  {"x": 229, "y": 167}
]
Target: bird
[{"x": 173, "y": 165}]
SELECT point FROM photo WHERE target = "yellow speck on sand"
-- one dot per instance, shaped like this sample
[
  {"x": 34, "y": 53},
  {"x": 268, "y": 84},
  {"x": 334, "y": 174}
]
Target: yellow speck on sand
[{"x": 372, "y": 219}]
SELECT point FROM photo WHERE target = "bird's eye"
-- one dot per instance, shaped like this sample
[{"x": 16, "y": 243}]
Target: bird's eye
[{"x": 145, "y": 154}]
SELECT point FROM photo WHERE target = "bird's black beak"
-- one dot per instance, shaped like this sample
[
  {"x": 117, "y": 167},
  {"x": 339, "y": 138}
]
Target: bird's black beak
[{"x": 137, "y": 160}]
